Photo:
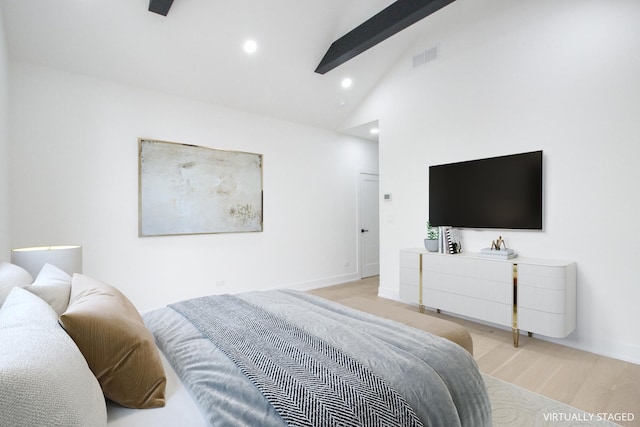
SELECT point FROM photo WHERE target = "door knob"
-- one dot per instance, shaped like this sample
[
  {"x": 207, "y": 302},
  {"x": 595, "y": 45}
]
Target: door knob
[{"x": 364, "y": 231}]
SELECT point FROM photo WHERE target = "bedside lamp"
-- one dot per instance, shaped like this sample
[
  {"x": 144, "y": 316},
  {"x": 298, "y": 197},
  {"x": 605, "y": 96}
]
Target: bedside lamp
[{"x": 66, "y": 258}]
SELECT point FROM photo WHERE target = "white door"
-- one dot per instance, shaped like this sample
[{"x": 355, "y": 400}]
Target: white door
[{"x": 369, "y": 226}]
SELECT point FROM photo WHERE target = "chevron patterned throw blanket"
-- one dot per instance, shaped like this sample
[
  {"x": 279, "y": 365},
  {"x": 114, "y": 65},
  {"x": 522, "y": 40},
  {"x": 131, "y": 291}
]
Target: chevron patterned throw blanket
[{"x": 308, "y": 381}]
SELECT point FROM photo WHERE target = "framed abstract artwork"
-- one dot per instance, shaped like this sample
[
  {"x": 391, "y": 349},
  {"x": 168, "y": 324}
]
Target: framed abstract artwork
[{"x": 188, "y": 189}]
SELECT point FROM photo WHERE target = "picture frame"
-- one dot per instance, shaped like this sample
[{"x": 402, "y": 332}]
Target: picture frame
[{"x": 189, "y": 189}]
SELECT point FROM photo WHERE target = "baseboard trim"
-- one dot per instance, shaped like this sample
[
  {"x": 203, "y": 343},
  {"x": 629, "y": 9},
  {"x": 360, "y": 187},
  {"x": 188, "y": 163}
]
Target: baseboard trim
[
  {"x": 614, "y": 349},
  {"x": 321, "y": 283}
]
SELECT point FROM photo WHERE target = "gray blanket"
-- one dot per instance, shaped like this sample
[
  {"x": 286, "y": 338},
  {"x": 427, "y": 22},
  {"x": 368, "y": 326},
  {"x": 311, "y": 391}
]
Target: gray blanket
[
  {"x": 307, "y": 380},
  {"x": 438, "y": 379}
]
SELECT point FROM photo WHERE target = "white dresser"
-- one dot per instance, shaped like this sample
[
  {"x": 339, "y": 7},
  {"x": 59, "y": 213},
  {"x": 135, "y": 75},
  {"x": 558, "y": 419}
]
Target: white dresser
[{"x": 535, "y": 295}]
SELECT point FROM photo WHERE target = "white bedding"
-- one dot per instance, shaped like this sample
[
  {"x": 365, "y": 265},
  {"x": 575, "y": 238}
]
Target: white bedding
[{"x": 180, "y": 409}]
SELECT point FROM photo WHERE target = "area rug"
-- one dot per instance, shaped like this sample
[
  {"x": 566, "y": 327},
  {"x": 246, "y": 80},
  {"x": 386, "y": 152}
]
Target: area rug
[{"x": 515, "y": 406}]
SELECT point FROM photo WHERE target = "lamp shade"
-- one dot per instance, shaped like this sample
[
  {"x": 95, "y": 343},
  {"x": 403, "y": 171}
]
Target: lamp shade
[{"x": 66, "y": 258}]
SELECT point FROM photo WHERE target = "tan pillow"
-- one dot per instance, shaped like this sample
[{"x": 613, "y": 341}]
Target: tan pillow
[{"x": 118, "y": 347}]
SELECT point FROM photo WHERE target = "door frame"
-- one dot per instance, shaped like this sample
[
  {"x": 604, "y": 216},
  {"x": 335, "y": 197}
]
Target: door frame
[{"x": 361, "y": 176}]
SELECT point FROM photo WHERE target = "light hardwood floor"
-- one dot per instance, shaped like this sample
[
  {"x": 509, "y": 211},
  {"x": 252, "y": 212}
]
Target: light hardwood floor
[{"x": 593, "y": 383}]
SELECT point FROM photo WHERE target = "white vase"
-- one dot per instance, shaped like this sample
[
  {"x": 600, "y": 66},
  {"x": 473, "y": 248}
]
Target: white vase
[{"x": 431, "y": 245}]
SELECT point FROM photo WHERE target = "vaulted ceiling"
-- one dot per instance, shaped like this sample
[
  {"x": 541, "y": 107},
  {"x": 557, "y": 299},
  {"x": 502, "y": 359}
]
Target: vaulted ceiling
[{"x": 196, "y": 50}]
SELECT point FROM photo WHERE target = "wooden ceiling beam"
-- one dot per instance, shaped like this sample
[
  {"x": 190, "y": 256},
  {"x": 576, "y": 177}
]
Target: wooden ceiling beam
[
  {"x": 395, "y": 18},
  {"x": 160, "y": 7}
]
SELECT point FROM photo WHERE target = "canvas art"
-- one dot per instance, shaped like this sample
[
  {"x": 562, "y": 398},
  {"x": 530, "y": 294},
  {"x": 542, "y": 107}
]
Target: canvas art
[{"x": 188, "y": 189}]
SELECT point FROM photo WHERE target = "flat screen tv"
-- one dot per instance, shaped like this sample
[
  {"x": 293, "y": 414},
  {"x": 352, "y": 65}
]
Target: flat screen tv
[{"x": 499, "y": 192}]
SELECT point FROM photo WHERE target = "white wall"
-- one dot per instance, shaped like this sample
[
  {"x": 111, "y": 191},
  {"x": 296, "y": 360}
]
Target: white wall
[
  {"x": 75, "y": 174},
  {"x": 556, "y": 76},
  {"x": 4, "y": 145}
]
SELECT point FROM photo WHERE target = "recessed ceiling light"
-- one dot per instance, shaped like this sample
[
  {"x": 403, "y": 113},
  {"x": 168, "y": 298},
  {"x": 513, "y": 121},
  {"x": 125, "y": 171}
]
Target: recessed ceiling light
[
  {"x": 250, "y": 46},
  {"x": 346, "y": 83},
  {"x": 374, "y": 131}
]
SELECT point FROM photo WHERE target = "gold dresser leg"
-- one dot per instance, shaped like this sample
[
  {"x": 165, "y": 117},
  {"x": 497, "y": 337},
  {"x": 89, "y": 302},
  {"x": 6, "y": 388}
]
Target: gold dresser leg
[
  {"x": 514, "y": 321},
  {"x": 420, "y": 304}
]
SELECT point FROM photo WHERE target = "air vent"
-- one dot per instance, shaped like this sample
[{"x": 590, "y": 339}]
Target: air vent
[{"x": 426, "y": 56}]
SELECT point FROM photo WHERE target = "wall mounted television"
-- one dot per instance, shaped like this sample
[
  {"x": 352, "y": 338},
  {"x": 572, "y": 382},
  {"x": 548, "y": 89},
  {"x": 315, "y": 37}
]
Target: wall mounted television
[{"x": 499, "y": 192}]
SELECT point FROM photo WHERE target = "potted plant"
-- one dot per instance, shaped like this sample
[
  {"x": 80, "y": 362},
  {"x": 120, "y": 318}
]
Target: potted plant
[{"x": 431, "y": 242}]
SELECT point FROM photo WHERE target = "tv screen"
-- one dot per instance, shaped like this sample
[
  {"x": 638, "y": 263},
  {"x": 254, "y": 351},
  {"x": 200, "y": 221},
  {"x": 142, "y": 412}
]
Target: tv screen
[{"x": 499, "y": 192}]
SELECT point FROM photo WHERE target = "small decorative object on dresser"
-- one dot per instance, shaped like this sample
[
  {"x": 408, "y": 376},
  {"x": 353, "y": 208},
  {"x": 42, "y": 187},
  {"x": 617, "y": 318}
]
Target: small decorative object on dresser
[
  {"x": 498, "y": 244},
  {"x": 453, "y": 242},
  {"x": 431, "y": 243},
  {"x": 498, "y": 250}
]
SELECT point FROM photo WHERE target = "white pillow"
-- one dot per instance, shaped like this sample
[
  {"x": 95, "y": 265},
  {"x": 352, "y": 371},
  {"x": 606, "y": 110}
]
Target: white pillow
[
  {"x": 52, "y": 285},
  {"x": 44, "y": 379},
  {"x": 11, "y": 276}
]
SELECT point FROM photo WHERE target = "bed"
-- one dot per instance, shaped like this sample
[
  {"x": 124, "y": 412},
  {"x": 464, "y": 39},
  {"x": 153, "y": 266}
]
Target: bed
[
  {"x": 269, "y": 358},
  {"x": 438, "y": 379}
]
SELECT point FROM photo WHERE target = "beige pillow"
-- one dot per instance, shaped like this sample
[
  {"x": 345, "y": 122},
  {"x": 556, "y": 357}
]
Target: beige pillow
[
  {"x": 118, "y": 347},
  {"x": 52, "y": 285}
]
